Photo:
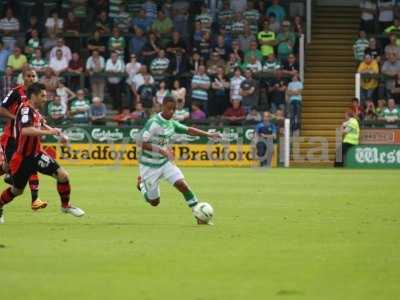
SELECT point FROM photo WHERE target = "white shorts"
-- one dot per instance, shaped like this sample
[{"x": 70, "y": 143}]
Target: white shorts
[{"x": 151, "y": 177}]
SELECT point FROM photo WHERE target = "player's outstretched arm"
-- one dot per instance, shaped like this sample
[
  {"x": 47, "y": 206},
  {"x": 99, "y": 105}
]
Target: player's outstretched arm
[
  {"x": 199, "y": 132},
  {"x": 33, "y": 131}
]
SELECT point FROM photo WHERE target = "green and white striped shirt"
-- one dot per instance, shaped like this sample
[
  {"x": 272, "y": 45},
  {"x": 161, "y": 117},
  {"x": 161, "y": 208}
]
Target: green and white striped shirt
[
  {"x": 159, "y": 66},
  {"x": 38, "y": 64},
  {"x": 158, "y": 132},
  {"x": 200, "y": 94}
]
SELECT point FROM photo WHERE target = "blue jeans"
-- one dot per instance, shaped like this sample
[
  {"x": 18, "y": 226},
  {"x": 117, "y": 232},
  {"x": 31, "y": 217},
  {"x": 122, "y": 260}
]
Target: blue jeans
[{"x": 295, "y": 115}]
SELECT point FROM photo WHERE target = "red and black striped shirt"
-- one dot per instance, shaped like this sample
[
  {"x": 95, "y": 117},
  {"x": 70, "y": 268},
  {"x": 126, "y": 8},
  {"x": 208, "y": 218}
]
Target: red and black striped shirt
[
  {"x": 12, "y": 103},
  {"x": 27, "y": 116}
]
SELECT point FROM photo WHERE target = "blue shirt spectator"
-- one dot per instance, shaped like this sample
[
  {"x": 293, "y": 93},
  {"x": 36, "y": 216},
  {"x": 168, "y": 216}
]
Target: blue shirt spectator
[
  {"x": 4, "y": 54},
  {"x": 137, "y": 42},
  {"x": 142, "y": 21},
  {"x": 278, "y": 10},
  {"x": 265, "y": 128}
]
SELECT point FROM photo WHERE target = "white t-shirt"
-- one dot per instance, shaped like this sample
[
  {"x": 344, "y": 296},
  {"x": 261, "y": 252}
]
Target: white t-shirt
[
  {"x": 50, "y": 22},
  {"x": 160, "y": 96},
  {"x": 58, "y": 64},
  {"x": 387, "y": 15},
  {"x": 366, "y": 4},
  {"x": 138, "y": 80},
  {"x": 235, "y": 87}
]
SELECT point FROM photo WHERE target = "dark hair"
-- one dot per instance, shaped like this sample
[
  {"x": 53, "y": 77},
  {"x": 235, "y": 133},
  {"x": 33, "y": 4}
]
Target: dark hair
[
  {"x": 168, "y": 99},
  {"x": 35, "y": 89}
]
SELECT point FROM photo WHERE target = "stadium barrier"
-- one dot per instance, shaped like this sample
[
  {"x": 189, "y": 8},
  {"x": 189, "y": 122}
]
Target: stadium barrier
[{"x": 117, "y": 146}]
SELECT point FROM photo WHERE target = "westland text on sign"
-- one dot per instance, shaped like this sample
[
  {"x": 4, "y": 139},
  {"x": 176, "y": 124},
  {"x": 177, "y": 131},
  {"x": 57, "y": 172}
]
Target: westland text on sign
[
  {"x": 202, "y": 155},
  {"x": 374, "y": 156}
]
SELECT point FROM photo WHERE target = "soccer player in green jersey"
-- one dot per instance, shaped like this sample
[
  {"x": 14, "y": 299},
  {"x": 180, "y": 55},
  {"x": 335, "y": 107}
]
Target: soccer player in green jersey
[{"x": 156, "y": 159}]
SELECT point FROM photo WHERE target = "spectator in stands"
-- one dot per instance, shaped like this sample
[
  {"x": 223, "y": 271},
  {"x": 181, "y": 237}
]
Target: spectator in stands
[
  {"x": 225, "y": 16},
  {"x": 133, "y": 66},
  {"x": 200, "y": 86},
  {"x": 234, "y": 115},
  {"x": 4, "y": 54},
  {"x": 97, "y": 112},
  {"x": 49, "y": 42},
  {"x": 253, "y": 116},
  {"x": 369, "y": 70},
  {"x": 162, "y": 92},
  {"x": 249, "y": 91},
  {"x": 17, "y": 60},
  {"x": 221, "y": 47},
  {"x": 162, "y": 27},
  {"x": 253, "y": 51},
  {"x": 123, "y": 19},
  {"x": 75, "y": 69},
  {"x": 102, "y": 23},
  {"x": 72, "y": 25},
  {"x": 291, "y": 66},
  {"x": 178, "y": 64},
  {"x": 9, "y": 27},
  {"x": 33, "y": 25},
  {"x": 195, "y": 62},
  {"x": 254, "y": 65},
  {"x": 286, "y": 41},
  {"x": 294, "y": 92},
  {"x": 271, "y": 65},
  {"x": 56, "y": 111},
  {"x": 357, "y": 109},
  {"x": 298, "y": 26},
  {"x": 235, "y": 84},
  {"x": 66, "y": 51},
  {"x": 150, "y": 49},
  {"x": 374, "y": 50},
  {"x": 277, "y": 88},
  {"x": 181, "y": 113},
  {"x": 54, "y": 24},
  {"x": 115, "y": 68},
  {"x": 392, "y": 47},
  {"x": 214, "y": 63},
  {"x": 278, "y": 10},
  {"x": 138, "y": 114},
  {"x": 236, "y": 50},
  {"x": 390, "y": 69},
  {"x": 80, "y": 108},
  {"x": 180, "y": 18},
  {"x": 197, "y": 32},
  {"x": 368, "y": 14},
  {"x": 177, "y": 46},
  {"x": 238, "y": 5},
  {"x": 65, "y": 94},
  {"x": 203, "y": 47},
  {"x": 252, "y": 17},
  {"x": 197, "y": 115},
  {"x": 138, "y": 80},
  {"x": 51, "y": 81},
  {"x": 33, "y": 43},
  {"x": 95, "y": 66},
  {"x": 205, "y": 18},
  {"x": 238, "y": 25},
  {"x": 142, "y": 21},
  {"x": 137, "y": 43},
  {"x": 220, "y": 87},
  {"x": 159, "y": 66},
  {"x": 146, "y": 94},
  {"x": 38, "y": 63},
  {"x": 391, "y": 114},
  {"x": 266, "y": 38},
  {"x": 151, "y": 9},
  {"x": 380, "y": 109},
  {"x": 396, "y": 88},
  {"x": 246, "y": 38},
  {"x": 265, "y": 133},
  {"x": 7, "y": 82},
  {"x": 274, "y": 24},
  {"x": 116, "y": 43},
  {"x": 360, "y": 45},
  {"x": 178, "y": 91},
  {"x": 386, "y": 15},
  {"x": 59, "y": 64},
  {"x": 370, "y": 114},
  {"x": 232, "y": 64}
]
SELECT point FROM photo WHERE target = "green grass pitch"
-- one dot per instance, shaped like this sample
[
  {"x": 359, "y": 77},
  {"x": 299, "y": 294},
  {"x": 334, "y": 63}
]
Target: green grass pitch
[{"x": 279, "y": 234}]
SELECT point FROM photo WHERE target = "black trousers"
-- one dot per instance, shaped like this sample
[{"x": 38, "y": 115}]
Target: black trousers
[
  {"x": 115, "y": 92},
  {"x": 341, "y": 155}
]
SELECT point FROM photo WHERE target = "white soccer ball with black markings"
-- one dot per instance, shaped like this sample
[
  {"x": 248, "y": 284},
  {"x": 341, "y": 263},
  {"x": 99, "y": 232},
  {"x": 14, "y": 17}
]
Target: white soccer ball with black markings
[{"x": 204, "y": 212}]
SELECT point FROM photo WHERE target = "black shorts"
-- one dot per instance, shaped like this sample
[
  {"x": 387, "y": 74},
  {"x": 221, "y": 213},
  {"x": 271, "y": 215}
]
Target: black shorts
[
  {"x": 22, "y": 169},
  {"x": 9, "y": 149}
]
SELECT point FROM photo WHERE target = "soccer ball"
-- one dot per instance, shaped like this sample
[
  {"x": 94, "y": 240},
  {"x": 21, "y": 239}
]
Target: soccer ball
[{"x": 204, "y": 212}]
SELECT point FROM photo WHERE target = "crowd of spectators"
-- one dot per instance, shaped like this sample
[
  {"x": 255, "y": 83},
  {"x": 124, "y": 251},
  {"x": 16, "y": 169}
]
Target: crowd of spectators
[
  {"x": 116, "y": 60},
  {"x": 377, "y": 53}
]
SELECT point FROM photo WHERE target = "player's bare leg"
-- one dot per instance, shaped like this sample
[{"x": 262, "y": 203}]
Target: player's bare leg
[
  {"x": 64, "y": 190},
  {"x": 190, "y": 198},
  {"x": 34, "y": 187},
  {"x": 142, "y": 188}
]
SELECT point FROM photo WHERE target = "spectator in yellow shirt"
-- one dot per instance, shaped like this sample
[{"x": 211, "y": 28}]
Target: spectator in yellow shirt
[
  {"x": 369, "y": 71},
  {"x": 17, "y": 60}
]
